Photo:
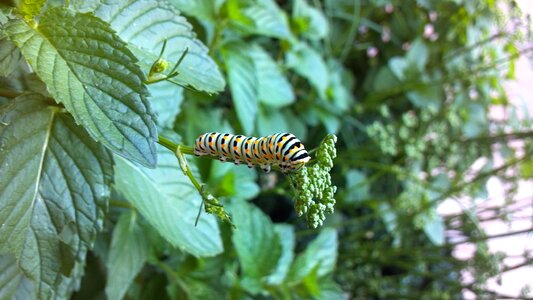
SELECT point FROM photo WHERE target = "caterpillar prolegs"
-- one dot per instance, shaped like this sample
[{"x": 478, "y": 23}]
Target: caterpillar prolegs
[{"x": 281, "y": 149}]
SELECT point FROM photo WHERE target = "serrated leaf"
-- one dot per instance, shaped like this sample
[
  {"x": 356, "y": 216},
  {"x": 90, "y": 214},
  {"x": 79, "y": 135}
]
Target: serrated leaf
[
  {"x": 13, "y": 283},
  {"x": 288, "y": 241},
  {"x": 320, "y": 256},
  {"x": 55, "y": 181},
  {"x": 9, "y": 57},
  {"x": 257, "y": 245},
  {"x": 243, "y": 84},
  {"x": 273, "y": 87},
  {"x": 146, "y": 24},
  {"x": 166, "y": 98},
  {"x": 91, "y": 71},
  {"x": 29, "y": 8},
  {"x": 165, "y": 197},
  {"x": 128, "y": 253},
  {"x": 308, "y": 63}
]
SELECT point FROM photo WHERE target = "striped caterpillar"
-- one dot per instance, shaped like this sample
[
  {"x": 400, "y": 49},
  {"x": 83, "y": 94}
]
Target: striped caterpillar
[{"x": 281, "y": 149}]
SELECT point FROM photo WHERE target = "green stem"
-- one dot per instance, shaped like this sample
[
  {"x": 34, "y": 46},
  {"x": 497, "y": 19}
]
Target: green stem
[
  {"x": 186, "y": 170},
  {"x": 122, "y": 204},
  {"x": 9, "y": 93}
]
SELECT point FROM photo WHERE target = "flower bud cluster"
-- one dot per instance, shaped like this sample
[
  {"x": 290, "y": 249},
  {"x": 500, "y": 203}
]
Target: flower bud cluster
[{"x": 315, "y": 193}]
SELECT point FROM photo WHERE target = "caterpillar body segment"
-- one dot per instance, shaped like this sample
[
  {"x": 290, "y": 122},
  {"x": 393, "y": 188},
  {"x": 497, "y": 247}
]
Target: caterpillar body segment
[{"x": 281, "y": 149}]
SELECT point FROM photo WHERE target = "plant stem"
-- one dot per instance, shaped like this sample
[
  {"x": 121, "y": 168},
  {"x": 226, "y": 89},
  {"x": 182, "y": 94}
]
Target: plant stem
[{"x": 9, "y": 93}]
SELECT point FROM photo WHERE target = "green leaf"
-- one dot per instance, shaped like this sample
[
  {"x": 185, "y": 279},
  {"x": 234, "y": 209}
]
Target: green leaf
[
  {"x": 398, "y": 66},
  {"x": 311, "y": 22},
  {"x": 270, "y": 121},
  {"x": 308, "y": 63},
  {"x": 89, "y": 69},
  {"x": 273, "y": 87},
  {"x": 165, "y": 99},
  {"x": 146, "y": 24},
  {"x": 418, "y": 55},
  {"x": 169, "y": 202},
  {"x": 434, "y": 229},
  {"x": 257, "y": 244},
  {"x": 29, "y": 8},
  {"x": 13, "y": 283},
  {"x": 201, "y": 9},
  {"x": 357, "y": 186},
  {"x": 329, "y": 289},
  {"x": 288, "y": 241},
  {"x": 320, "y": 257},
  {"x": 129, "y": 251},
  {"x": 526, "y": 169},
  {"x": 9, "y": 57},
  {"x": 55, "y": 183},
  {"x": 426, "y": 96},
  {"x": 268, "y": 19},
  {"x": 243, "y": 83}
]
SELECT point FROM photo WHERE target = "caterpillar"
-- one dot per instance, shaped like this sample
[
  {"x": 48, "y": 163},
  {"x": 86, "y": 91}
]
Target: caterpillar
[{"x": 281, "y": 149}]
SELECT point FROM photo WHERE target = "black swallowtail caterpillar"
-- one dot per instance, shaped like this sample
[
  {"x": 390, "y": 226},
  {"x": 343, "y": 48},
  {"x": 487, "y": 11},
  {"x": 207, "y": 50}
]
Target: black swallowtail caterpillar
[{"x": 281, "y": 149}]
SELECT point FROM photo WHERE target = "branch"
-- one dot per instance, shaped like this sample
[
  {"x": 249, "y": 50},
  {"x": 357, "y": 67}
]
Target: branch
[
  {"x": 476, "y": 239},
  {"x": 9, "y": 93}
]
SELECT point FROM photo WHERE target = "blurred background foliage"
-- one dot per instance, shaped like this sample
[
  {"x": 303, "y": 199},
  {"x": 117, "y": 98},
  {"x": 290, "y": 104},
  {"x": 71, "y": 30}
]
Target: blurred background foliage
[{"x": 407, "y": 86}]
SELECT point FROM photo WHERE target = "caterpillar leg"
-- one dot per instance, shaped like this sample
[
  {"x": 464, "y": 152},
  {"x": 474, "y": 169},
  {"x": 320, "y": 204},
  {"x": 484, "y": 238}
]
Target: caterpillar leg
[
  {"x": 265, "y": 168},
  {"x": 222, "y": 158}
]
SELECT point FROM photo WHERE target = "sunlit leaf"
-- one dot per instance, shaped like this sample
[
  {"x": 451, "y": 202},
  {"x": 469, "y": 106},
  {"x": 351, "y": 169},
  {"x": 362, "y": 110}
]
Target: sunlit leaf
[
  {"x": 243, "y": 84},
  {"x": 165, "y": 197},
  {"x": 89, "y": 69},
  {"x": 146, "y": 24}
]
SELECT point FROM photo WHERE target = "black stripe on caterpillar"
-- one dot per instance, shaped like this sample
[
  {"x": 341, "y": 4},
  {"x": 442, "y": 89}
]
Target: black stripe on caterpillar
[{"x": 281, "y": 149}]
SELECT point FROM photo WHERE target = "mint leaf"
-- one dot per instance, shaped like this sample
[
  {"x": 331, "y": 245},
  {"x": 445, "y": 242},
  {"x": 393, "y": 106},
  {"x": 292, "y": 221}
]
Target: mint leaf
[
  {"x": 169, "y": 202},
  {"x": 320, "y": 257},
  {"x": 13, "y": 283},
  {"x": 129, "y": 251},
  {"x": 257, "y": 244},
  {"x": 273, "y": 87},
  {"x": 308, "y": 63},
  {"x": 89, "y": 69},
  {"x": 165, "y": 100},
  {"x": 288, "y": 241},
  {"x": 146, "y": 24},
  {"x": 311, "y": 21},
  {"x": 30, "y": 8},
  {"x": 54, "y": 186},
  {"x": 200, "y": 9},
  {"x": 243, "y": 83},
  {"x": 9, "y": 57},
  {"x": 268, "y": 19}
]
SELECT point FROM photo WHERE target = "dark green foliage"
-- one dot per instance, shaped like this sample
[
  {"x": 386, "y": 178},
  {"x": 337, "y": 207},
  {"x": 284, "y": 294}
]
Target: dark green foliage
[{"x": 390, "y": 98}]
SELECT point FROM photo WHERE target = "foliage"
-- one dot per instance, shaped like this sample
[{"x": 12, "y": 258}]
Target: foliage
[{"x": 89, "y": 88}]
